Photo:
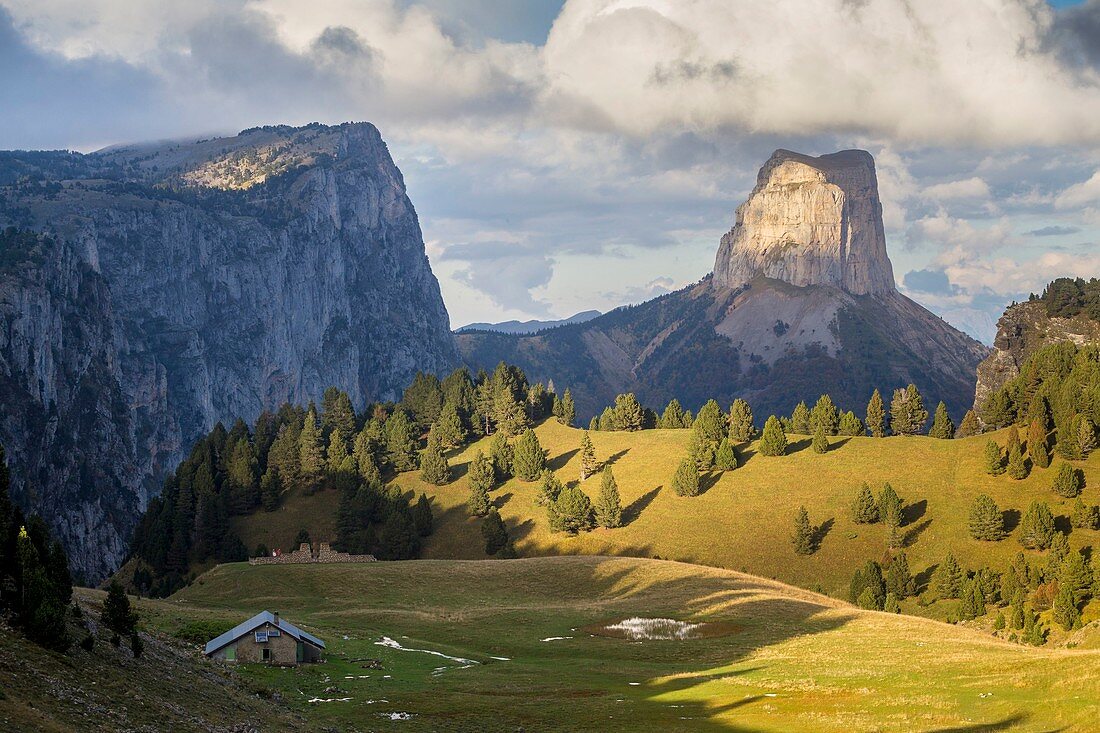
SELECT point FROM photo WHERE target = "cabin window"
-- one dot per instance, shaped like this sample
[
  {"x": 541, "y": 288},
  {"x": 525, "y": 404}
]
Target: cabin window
[
  {"x": 266, "y": 654},
  {"x": 231, "y": 654}
]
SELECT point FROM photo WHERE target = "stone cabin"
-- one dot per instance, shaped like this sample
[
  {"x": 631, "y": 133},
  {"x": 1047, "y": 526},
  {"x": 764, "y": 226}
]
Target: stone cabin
[{"x": 266, "y": 639}]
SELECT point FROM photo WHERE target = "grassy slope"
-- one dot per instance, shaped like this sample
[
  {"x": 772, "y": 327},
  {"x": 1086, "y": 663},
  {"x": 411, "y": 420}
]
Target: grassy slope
[
  {"x": 744, "y": 520},
  {"x": 797, "y": 660}
]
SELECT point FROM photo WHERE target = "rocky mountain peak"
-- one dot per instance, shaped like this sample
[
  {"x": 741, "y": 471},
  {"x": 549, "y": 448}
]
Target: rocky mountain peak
[{"x": 810, "y": 221}]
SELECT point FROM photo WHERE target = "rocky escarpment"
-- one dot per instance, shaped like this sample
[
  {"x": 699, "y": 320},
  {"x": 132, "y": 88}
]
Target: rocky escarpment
[
  {"x": 1021, "y": 331},
  {"x": 801, "y": 302},
  {"x": 810, "y": 221},
  {"x": 237, "y": 273}
]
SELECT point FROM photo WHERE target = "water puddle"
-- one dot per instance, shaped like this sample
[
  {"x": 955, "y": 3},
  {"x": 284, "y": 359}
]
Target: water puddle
[{"x": 660, "y": 629}]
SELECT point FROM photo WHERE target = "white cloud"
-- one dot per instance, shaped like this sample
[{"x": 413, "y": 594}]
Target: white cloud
[
  {"x": 1079, "y": 194},
  {"x": 966, "y": 189}
]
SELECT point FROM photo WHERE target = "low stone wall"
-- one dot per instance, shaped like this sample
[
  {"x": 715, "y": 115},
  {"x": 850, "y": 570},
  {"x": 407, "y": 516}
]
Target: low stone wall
[{"x": 304, "y": 554}]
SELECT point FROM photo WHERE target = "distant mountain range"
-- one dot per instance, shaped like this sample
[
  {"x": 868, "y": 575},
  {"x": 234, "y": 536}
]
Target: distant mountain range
[{"x": 529, "y": 326}]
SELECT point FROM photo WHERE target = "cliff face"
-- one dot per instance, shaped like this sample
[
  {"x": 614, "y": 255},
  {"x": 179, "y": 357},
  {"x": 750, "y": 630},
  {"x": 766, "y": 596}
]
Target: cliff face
[
  {"x": 801, "y": 302},
  {"x": 810, "y": 221},
  {"x": 1021, "y": 331},
  {"x": 238, "y": 273}
]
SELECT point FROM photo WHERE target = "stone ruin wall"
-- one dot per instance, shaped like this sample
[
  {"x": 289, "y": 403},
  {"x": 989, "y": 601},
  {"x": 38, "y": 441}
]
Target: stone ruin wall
[{"x": 304, "y": 554}]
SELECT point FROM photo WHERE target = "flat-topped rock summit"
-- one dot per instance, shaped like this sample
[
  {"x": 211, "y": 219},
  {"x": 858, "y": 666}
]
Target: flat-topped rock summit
[{"x": 810, "y": 221}]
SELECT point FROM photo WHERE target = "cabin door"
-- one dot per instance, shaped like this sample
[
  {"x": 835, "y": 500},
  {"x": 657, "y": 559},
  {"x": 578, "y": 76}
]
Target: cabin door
[{"x": 300, "y": 653}]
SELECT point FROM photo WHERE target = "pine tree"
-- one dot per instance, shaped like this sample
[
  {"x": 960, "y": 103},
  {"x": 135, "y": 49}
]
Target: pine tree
[
  {"x": 449, "y": 428},
  {"x": 997, "y": 409},
  {"x": 1086, "y": 436},
  {"x": 907, "y": 413},
  {"x": 568, "y": 409},
  {"x": 481, "y": 477},
  {"x": 594, "y": 424},
  {"x": 1077, "y": 577},
  {"x": 311, "y": 453},
  {"x": 1067, "y": 482},
  {"x": 890, "y": 507},
  {"x": 243, "y": 485},
  {"x": 503, "y": 456},
  {"x": 588, "y": 457},
  {"x": 994, "y": 463},
  {"x": 607, "y": 419},
  {"x": 724, "y": 458},
  {"x": 118, "y": 616},
  {"x": 803, "y": 537},
  {"x": 549, "y": 489},
  {"x": 986, "y": 521},
  {"x": 337, "y": 450},
  {"x": 820, "y": 443},
  {"x": 876, "y": 416},
  {"x": 1017, "y": 466},
  {"x": 868, "y": 589},
  {"x": 899, "y": 580},
  {"x": 825, "y": 415},
  {"x": 891, "y": 605},
  {"x": 865, "y": 508},
  {"x": 710, "y": 424},
  {"x": 673, "y": 416},
  {"x": 700, "y": 451},
  {"x": 571, "y": 512},
  {"x": 627, "y": 414},
  {"x": 1037, "y": 444},
  {"x": 609, "y": 509},
  {"x": 773, "y": 441},
  {"x": 337, "y": 412},
  {"x": 493, "y": 532},
  {"x": 434, "y": 468},
  {"x": 1039, "y": 411},
  {"x": 422, "y": 516},
  {"x": 969, "y": 425},
  {"x": 423, "y": 398},
  {"x": 1065, "y": 610},
  {"x": 401, "y": 442},
  {"x": 947, "y": 580},
  {"x": 529, "y": 458},
  {"x": 800, "y": 419},
  {"x": 685, "y": 482},
  {"x": 741, "y": 428},
  {"x": 942, "y": 427},
  {"x": 1085, "y": 516},
  {"x": 478, "y": 501},
  {"x": 271, "y": 489},
  {"x": 850, "y": 424},
  {"x": 1037, "y": 527}
]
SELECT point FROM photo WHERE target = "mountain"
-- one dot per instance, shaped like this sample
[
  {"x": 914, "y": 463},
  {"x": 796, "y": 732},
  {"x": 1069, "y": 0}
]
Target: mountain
[
  {"x": 1067, "y": 310},
  {"x": 529, "y": 326},
  {"x": 180, "y": 284},
  {"x": 801, "y": 302}
]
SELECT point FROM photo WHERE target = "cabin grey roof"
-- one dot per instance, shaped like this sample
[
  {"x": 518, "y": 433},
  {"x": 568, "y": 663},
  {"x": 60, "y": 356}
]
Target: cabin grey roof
[{"x": 261, "y": 618}]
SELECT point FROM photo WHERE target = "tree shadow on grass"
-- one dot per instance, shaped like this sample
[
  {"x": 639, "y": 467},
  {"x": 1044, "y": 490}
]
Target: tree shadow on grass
[
  {"x": 913, "y": 533},
  {"x": 708, "y": 480},
  {"x": 1062, "y": 524},
  {"x": 501, "y": 500},
  {"x": 798, "y": 445},
  {"x": 557, "y": 463},
  {"x": 614, "y": 457},
  {"x": 821, "y": 531},
  {"x": 838, "y": 444},
  {"x": 1011, "y": 519},
  {"x": 914, "y": 511},
  {"x": 636, "y": 507},
  {"x": 924, "y": 578},
  {"x": 1005, "y": 724}
]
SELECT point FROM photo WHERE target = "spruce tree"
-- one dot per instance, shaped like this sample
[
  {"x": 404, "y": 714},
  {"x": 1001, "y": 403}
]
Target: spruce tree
[
  {"x": 607, "y": 419},
  {"x": 986, "y": 521},
  {"x": 685, "y": 482},
  {"x": 673, "y": 416},
  {"x": 243, "y": 483},
  {"x": 741, "y": 428},
  {"x": 271, "y": 489},
  {"x": 478, "y": 501},
  {"x": 899, "y": 579},
  {"x": 820, "y": 443},
  {"x": 890, "y": 507},
  {"x": 1017, "y": 466},
  {"x": 1086, "y": 436},
  {"x": 118, "y": 615},
  {"x": 434, "y": 468},
  {"x": 311, "y": 453},
  {"x": 773, "y": 441},
  {"x": 571, "y": 512},
  {"x": 594, "y": 424},
  {"x": 1076, "y": 576},
  {"x": 947, "y": 580},
  {"x": 942, "y": 427},
  {"x": 850, "y": 424},
  {"x": 868, "y": 588},
  {"x": 800, "y": 419},
  {"x": 503, "y": 456},
  {"x": 1037, "y": 444},
  {"x": 1067, "y": 482},
  {"x": 530, "y": 458},
  {"x": 493, "y": 532},
  {"x": 608, "y": 509},
  {"x": 1065, "y": 610},
  {"x": 994, "y": 463},
  {"x": 481, "y": 475},
  {"x": 1037, "y": 527},
  {"x": 803, "y": 537},
  {"x": 865, "y": 508},
  {"x": 907, "y": 413},
  {"x": 876, "y": 416},
  {"x": 588, "y": 457},
  {"x": 449, "y": 428},
  {"x": 825, "y": 415},
  {"x": 401, "y": 442},
  {"x": 724, "y": 458},
  {"x": 891, "y": 605},
  {"x": 337, "y": 412},
  {"x": 700, "y": 451},
  {"x": 710, "y": 424},
  {"x": 627, "y": 414},
  {"x": 568, "y": 408},
  {"x": 549, "y": 489},
  {"x": 337, "y": 450},
  {"x": 1085, "y": 516},
  {"x": 969, "y": 425}
]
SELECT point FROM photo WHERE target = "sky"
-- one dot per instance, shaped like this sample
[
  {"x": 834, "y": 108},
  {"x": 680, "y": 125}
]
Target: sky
[{"x": 565, "y": 155}]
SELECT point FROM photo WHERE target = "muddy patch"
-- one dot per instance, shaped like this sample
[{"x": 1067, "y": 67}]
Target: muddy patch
[{"x": 660, "y": 629}]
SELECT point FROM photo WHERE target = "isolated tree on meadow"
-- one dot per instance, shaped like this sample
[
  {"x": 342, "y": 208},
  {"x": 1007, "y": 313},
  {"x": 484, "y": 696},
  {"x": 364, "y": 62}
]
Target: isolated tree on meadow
[
  {"x": 986, "y": 521},
  {"x": 868, "y": 587},
  {"x": 741, "y": 428},
  {"x": 994, "y": 462},
  {"x": 530, "y": 458},
  {"x": 571, "y": 512},
  {"x": 588, "y": 457},
  {"x": 568, "y": 408},
  {"x": 608, "y": 507},
  {"x": 1085, "y": 516},
  {"x": 773, "y": 441},
  {"x": 942, "y": 427},
  {"x": 1065, "y": 610},
  {"x": 865, "y": 508},
  {"x": 803, "y": 537},
  {"x": 820, "y": 443},
  {"x": 1067, "y": 482},
  {"x": 876, "y": 416},
  {"x": 685, "y": 482},
  {"x": 1017, "y": 466},
  {"x": 969, "y": 425},
  {"x": 627, "y": 414},
  {"x": 118, "y": 615},
  {"x": 1037, "y": 527},
  {"x": 701, "y": 451}
]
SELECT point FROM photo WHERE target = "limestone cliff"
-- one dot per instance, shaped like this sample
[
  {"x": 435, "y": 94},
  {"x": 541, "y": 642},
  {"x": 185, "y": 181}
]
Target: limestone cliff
[
  {"x": 237, "y": 273},
  {"x": 810, "y": 221}
]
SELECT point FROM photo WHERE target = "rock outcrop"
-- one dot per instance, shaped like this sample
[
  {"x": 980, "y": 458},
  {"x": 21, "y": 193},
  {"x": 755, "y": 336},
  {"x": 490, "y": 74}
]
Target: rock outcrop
[
  {"x": 810, "y": 221},
  {"x": 801, "y": 302},
  {"x": 1021, "y": 331},
  {"x": 235, "y": 274}
]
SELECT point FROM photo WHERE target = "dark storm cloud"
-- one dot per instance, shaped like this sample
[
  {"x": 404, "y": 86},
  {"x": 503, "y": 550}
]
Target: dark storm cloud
[{"x": 1075, "y": 34}]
